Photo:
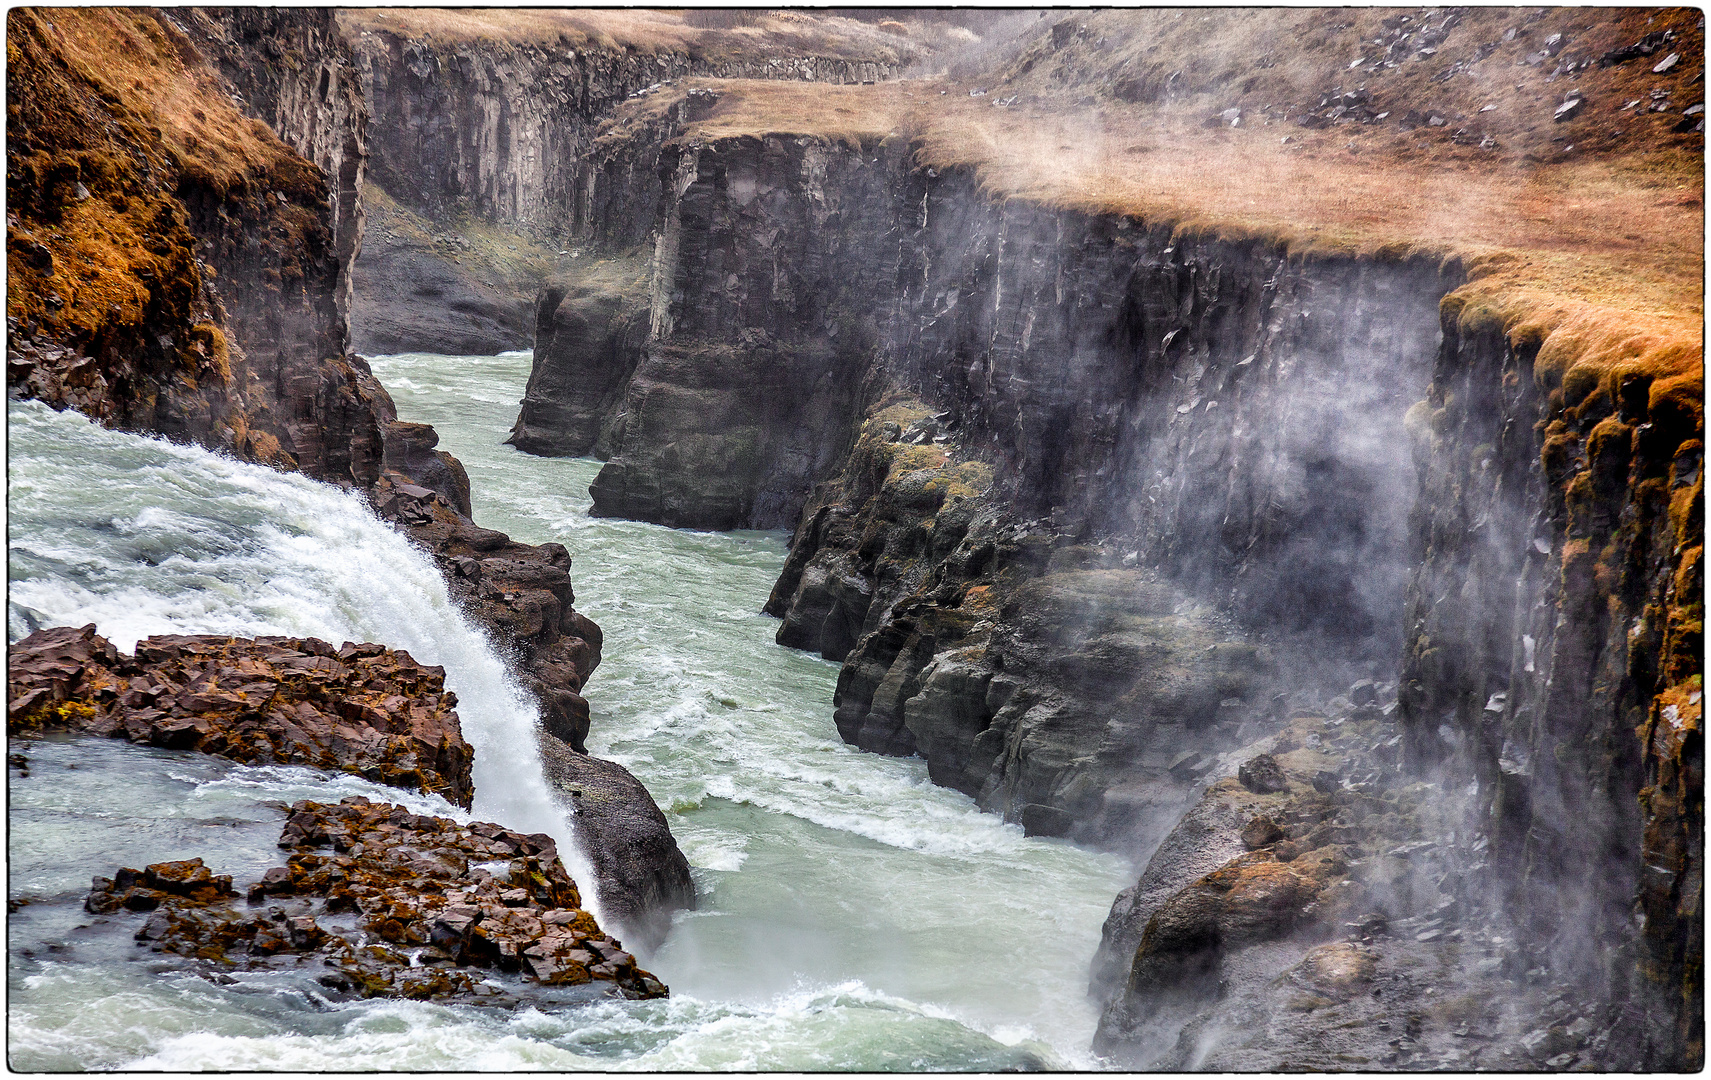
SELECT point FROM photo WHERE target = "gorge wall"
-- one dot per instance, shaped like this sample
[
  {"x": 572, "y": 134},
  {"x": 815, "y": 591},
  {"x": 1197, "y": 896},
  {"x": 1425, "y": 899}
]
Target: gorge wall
[
  {"x": 185, "y": 195},
  {"x": 1093, "y": 509},
  {"x": 483, "y": 148}
]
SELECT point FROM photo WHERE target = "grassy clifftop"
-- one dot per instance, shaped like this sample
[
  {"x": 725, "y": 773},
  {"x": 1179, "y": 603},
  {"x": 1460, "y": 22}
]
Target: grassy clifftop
[{"x": 1369, "y": 133}]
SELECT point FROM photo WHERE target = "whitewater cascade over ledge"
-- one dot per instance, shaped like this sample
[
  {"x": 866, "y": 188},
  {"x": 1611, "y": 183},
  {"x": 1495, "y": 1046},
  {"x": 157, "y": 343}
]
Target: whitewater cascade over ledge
[{"x": 853, "y": 915}]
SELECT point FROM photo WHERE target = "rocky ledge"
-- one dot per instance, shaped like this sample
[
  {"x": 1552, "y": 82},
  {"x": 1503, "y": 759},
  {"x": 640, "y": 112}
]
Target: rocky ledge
[
  {"x": 386, "y": 903},
  {"x": 520, "y": 593},
  {"x": 362, "y": 709},
  {"x": 1321, "y": 909}
]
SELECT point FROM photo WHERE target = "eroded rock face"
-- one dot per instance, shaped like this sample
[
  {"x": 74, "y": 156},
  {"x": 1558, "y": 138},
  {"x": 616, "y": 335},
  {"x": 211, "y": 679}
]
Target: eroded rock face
[
  {"x": 1556, "y": 613},
  {"x": 380, "y": 902},
  {"x": 773, "y": 272},
  {"x": 588, "y": 337},
  {"x": 1348, "y": 919},
  {"x": 643, "y": 877},
  {"x": 508, "y": 133},
  {"x": 521, "y": 593},
  {"x": 362, "y": 709}
]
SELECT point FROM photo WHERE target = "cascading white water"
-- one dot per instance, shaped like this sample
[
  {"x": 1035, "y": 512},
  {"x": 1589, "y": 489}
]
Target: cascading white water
[
  {"x": 854, "y": 915},
  {"x": 143, "y": 537}
]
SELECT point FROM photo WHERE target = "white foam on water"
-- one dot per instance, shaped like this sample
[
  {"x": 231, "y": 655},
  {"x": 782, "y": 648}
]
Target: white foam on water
[{"x": 141, "y": 537}]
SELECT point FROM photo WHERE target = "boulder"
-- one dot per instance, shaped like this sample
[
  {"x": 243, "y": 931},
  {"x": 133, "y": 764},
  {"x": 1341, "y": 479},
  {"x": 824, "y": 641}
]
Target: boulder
[
  {"x": 1262, "y": 775},
  {"x": 642, "y": 876}
]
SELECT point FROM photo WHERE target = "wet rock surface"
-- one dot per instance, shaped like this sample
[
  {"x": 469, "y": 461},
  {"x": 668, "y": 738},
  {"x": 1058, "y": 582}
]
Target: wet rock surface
[
  {"x": 1556, "y": 655},
  {"x": 375, "y": 901},
  {"x": 359, "y": 708},
  {"x": 1358, "y": 927},
  {"x": 520, "y": 593},
  {"x": 643, "y": 877}
]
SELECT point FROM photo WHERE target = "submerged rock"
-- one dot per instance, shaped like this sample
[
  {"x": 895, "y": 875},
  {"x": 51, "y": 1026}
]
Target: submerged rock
[
  {"x": 362, "y": 709},
  {"x": 382, "y": 902}
]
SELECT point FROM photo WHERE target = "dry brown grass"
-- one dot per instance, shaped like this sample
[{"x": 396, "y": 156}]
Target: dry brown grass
[
  {"x": 771, "y": 33},
  {"x": 1608, "y": 249},
  {"x": 105, "y": 98}
]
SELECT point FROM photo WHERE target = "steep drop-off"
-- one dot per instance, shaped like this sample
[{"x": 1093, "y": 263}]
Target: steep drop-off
[
  {"x": 1096, "y": 509},
  {"x": 495, "y": 127},
  {"x": 1186, "y": 461}
]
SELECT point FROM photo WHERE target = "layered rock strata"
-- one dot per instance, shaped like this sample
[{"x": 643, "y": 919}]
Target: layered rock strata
[
  {"x": 362, "y": 709},
  {"x": 502, "y": 132},
  {"x": 375, "y": 901}
]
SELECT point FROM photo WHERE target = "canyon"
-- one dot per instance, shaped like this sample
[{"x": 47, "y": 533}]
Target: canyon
[{"x": 1345, "y": 577}]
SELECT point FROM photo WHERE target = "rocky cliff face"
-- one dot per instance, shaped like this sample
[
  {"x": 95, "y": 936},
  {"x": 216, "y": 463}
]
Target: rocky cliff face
[
  {"x": 1100, "y": 462},
  {"x": 1120, "y": 500},
  {"x": 771, "y": 279},
  {"x": 175, "y": 267},
  {"x": 504, "y": 133},
  {"x": 1555, "y": 635}
]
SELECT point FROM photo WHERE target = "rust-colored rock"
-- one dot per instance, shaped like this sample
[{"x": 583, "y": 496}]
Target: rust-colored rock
[
  {"x": 389, "y": 904},
  {"x": 362, "y": 709}
]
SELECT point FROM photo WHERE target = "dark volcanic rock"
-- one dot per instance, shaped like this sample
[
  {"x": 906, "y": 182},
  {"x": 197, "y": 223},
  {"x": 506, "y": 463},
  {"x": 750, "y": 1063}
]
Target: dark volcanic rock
[
  {"x": 477, "y": 139},
  {"x": 521, "y": 593},
  {"x": 381, "y": 902},
  {"x": 588, "y": 338},
  {"x": 643, "y": 877},
  {"x": 361, "y": 709},
  {"x": 1262, "y": 775},
  {"x": 1585, "y": 515}
]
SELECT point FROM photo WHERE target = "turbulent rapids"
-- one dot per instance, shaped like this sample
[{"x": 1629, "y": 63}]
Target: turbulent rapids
[
  {"x": 853, "y": 915},
  {"x": 957, "y": 587}
]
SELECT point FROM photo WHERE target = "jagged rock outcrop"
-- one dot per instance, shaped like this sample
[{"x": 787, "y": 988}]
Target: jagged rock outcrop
[
  {"x": 589, "y": 331},
  {"x": 362, "y": 709},
  {"x": 380, "y": 902}
]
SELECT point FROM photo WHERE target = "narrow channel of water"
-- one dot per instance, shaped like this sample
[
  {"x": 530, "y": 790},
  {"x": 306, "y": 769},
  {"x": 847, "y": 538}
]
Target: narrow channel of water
[{"x": 854, "y": 916}]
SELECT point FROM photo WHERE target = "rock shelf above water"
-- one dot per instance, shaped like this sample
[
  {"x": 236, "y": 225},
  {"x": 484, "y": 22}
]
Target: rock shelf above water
[
  {"x": 362, "y": 708},
  {"x": 382, "y": 902}
]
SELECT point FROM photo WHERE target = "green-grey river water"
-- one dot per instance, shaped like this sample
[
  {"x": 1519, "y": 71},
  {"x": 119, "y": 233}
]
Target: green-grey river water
[{"x": 853, "y": 915}]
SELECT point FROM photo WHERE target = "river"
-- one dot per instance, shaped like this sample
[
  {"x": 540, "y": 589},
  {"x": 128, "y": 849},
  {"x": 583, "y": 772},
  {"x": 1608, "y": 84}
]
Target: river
[{"x": 853, "y": 915}]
